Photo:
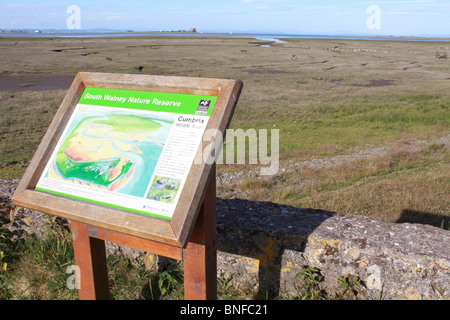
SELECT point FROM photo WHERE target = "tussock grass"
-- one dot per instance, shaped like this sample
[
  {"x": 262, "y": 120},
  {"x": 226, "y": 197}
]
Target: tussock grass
[
  {"x": 24, "y": 118},
  {"x": 384, "y": 187}
]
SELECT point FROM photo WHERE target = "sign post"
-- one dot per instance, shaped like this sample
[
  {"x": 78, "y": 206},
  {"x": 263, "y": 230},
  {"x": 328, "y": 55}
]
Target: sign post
[{"x": 124, "y": 159}]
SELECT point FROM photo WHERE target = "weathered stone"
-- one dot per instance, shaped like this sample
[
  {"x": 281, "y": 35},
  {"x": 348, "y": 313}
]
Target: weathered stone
[{"x": 392, "y": 261}]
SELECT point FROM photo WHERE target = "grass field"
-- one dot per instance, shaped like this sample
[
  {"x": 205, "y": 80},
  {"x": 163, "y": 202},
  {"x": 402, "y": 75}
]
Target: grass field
[
  {"x": 364, "y": 126},
  {"x": 356, "y": 118}
]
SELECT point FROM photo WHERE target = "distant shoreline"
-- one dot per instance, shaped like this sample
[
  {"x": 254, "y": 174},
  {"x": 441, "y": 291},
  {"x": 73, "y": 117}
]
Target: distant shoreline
[{"x": 185, "y": 33}]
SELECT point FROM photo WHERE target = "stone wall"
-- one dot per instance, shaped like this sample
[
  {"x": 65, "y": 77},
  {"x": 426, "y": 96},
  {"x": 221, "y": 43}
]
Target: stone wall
[
  {"x": 262, "y": 246},
  {"x": 265, "y": 245}
]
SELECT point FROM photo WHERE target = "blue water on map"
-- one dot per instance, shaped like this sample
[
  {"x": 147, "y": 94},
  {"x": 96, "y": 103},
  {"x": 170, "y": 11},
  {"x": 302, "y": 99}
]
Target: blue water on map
[{"x": 144, "y": 167}]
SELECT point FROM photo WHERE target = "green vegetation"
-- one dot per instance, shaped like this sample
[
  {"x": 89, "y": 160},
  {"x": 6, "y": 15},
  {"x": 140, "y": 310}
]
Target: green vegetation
[
  {"x": 41, "y": 270},
  {"x": 310, "y": 290},
  {"x": 36, "y": 269},
  {"x": 97, "y": 172},
  {"x": 350, "y": 286},
  {"x": 350, "y": 123},
  {"x": 24, "y": 118}
]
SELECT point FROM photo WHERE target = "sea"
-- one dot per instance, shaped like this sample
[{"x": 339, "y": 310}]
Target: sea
[{"x": 264, "y": 37}]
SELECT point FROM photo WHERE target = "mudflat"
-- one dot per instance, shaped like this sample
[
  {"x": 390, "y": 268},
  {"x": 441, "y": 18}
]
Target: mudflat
[
  {"x": 35, "y": 82},
  {"x": 363, "y": 124}
]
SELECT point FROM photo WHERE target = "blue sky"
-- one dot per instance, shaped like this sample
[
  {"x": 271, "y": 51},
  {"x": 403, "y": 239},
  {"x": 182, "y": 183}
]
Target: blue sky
[{"x": 396, "y": 17}]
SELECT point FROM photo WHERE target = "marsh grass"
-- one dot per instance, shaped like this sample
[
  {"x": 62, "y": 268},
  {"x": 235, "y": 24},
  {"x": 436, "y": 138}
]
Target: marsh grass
[
  {"x": 346, "y": 126},
  {"x": 37, "y": 269},
  {"x": 24, "y": 118},
  {"x": 326, "y": 98},
  {"x": 410, "y": 180}
]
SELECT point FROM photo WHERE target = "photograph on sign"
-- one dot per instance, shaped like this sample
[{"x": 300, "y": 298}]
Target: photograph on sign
[{"x": 128, "y": 149}]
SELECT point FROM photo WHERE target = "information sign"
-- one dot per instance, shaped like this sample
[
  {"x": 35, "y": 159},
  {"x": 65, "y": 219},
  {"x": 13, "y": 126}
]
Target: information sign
[
  {"x": 119, "y": 153},
  {"x": 128, "y": 149}
]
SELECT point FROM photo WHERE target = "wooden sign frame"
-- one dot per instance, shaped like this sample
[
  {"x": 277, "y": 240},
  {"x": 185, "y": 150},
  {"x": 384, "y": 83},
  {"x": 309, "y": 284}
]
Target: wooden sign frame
[{"x": 175, "y": 232}]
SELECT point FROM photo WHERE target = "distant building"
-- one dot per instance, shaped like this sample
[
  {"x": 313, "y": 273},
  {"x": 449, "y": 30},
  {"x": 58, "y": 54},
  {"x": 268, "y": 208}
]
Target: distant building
[{"x": 191, "y": 30}]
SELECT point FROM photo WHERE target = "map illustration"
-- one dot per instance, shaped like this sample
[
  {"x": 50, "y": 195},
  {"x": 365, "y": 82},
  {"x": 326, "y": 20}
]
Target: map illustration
[{"x": 111, "y": 150}]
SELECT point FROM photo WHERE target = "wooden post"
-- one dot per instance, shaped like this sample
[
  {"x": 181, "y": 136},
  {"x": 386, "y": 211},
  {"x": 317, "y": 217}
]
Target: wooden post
[
  {"x": 200, "y": 254},
  {"x": 90, "y": 257}
]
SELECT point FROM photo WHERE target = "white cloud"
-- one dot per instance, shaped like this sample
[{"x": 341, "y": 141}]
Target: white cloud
[
  {"x": 112, "y": 16},
  {"x": 14, "y": 6}
]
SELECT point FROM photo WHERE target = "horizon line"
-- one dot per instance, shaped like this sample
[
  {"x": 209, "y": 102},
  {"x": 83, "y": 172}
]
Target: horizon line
[{"x": 338, "y": 34}]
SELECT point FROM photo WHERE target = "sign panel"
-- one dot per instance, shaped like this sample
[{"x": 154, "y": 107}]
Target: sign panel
[
  {"x": 128, "y": 149},
  {"x": 119, "y": 153}
]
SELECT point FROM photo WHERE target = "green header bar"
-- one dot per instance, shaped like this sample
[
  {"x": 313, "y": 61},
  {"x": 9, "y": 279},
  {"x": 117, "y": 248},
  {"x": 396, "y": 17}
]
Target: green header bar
[{"x": 152, "y": 101}]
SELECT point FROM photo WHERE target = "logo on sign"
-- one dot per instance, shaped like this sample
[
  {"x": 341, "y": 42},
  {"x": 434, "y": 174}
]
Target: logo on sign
[{"x": 203, "y": 107}]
